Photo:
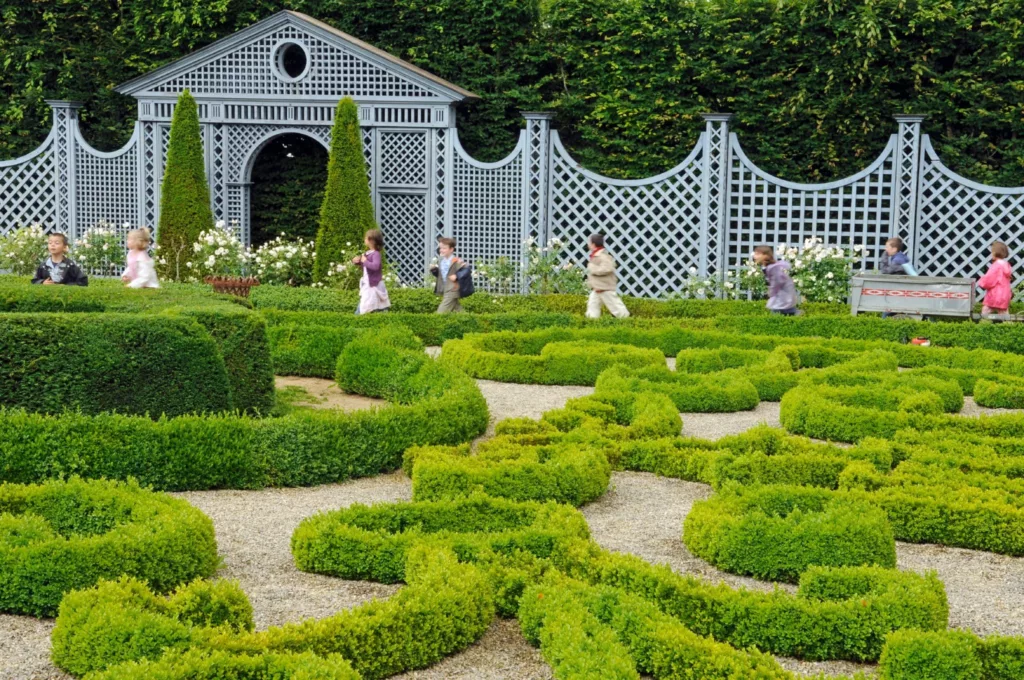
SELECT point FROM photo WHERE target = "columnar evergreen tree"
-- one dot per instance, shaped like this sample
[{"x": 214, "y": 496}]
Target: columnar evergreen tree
[
  {"x": 185, "y": 196},
  {"x": 347, "y": 211}
]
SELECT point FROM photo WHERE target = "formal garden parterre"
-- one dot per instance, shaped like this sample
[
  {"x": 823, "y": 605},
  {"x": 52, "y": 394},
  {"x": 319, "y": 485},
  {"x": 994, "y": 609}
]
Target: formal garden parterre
[{"x": 874, "y": 451}]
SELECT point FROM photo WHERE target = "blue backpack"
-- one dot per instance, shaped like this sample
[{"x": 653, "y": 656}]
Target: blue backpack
[{"x": 464, "y": 279}]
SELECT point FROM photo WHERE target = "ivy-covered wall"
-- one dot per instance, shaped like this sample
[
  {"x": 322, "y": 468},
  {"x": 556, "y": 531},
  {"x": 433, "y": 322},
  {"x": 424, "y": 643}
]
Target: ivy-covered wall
[{"x": 813, "y": 83}]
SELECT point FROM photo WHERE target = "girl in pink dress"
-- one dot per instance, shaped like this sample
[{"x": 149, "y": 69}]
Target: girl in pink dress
[
  {"x": 140, "y": 272},
  {"x": 373, "y": 296},
  {"x": 996, "y": 282}
]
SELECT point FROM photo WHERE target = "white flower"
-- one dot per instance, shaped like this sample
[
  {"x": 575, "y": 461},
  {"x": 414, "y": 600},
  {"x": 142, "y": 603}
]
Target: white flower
[
  {"x": 211, "y": 261},
  {"x": 829, "y": 275},
  {"x": 219, "y": 224}
]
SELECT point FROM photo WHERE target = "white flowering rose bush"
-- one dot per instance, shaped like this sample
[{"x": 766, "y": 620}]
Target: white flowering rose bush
[
  {"x": 22, "y": 249},
  {"x": 821, "y": 272},
  {"x": 283, "y": 262},
  {"x": 498, "y": 277},
  {"x": 100, "y": 250},
  {"x": 734, "y": 285},
  {"x": 549, "y": 270},
  {"x": 217, "y": 252}
]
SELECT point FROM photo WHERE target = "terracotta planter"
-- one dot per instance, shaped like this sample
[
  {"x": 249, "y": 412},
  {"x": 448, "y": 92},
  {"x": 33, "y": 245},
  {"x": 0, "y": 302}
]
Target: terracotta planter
[{"x": 232, "y": 285}]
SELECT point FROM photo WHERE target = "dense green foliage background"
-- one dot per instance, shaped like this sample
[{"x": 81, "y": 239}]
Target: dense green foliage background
[
  {"x": 288, "y": 180},
  {"x": 813, "y": 83}
]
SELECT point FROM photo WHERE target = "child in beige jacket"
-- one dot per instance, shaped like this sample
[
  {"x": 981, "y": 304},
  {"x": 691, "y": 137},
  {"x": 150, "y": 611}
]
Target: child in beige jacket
[{"x": 602, "y": 281}]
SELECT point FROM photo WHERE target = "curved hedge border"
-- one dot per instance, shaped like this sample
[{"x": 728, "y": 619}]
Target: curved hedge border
[
  {"x": 120, "y": 630},
  {"x": 60, "y": 536},
  {"x": 776, "y": 532},
  {"x": 372, "y": 542},
  {"x": 195, "y": 665},
  {"x": 953, "y": 654},
  {"x": 433, "y": 406}
]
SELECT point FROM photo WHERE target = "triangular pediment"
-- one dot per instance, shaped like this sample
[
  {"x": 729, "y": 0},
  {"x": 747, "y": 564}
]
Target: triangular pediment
[{"x": 247, "y": 65}]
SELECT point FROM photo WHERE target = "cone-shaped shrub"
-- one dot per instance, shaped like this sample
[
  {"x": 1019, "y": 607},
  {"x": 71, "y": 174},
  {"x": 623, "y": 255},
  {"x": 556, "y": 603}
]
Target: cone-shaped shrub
[
  {"x": 347, "y": 212},
  {"x": 185, "y": 196}
]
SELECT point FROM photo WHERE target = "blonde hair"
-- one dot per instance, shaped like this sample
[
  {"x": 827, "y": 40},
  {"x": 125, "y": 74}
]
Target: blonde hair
[{"x": 142, "y": 234}]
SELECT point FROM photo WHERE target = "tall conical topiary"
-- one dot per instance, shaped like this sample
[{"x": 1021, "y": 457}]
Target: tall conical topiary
[
  {"x": 185, "y": 196},
  {"x": 347, "y": 211}
]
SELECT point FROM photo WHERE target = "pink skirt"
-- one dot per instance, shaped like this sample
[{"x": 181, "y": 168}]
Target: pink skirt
[{"x": 372, "y": 298}]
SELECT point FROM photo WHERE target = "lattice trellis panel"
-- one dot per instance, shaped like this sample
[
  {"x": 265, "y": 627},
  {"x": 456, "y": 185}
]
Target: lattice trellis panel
[
  {"x": 402, "y": 219},
  {"x": 652, "y": 226},
  {"x": 107, "y": 187},
  {"x": 403, "y": 159},
  {"x": 959, "y": 219},
  {"x": 487, "y": 208},
  {"x": 27, "y": 190},
  {"x": 333, "y": 72},
  {"x": 765, "y": 210}
]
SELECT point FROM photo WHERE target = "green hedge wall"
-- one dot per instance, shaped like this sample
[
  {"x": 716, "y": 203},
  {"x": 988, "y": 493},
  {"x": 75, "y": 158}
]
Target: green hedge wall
[
  {"x": 240, "y": 335},
  {"x": 60, "y": 536},
  {"x": 97, "y": 363},
  {"x": 236, "y": 451}
]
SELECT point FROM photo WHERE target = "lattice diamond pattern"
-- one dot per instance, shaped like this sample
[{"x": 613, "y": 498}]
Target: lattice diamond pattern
[
  {"x": 63, "y": 159},
  {"x": 908, "y": 139},
  {"x": 440, "y": 182},
  {"x": 536, "y": 140},
  {"x": 716, "y": 152},
  {"x": 27, "y": 192},
  {"x": 217, "y": 170},
  {"x": 957, "y": 223},
  {"x": 403, "y": 159},
  {"x": 402, "y": 219},
  {"x": 150, "y": 171},
  {"x": 487, "y": 210},
  {"x": 107, "y": 189},
  {"x": 653, "y": 230},
  {"x": 764, "y": 212},
  {"x": 333, "y": 72}
]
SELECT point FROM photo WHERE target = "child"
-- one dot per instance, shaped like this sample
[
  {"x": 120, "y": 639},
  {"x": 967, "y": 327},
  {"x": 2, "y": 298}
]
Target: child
[
  {"x": 140, "y": 272},
  {"x": 782, "y": 298},
  {"x": 602, "y": 281},
  {"x": 58, "y": 268},
  {"x": 996, "y": 282},
  {"x": 445, "y": 270},
  {"x": 895, "y": 261},
  {"x": 373, "y": 296}
]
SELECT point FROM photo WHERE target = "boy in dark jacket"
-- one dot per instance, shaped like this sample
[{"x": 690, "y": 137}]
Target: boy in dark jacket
[
  {"x": 895, "y": 260},
  {"x": 446, "y": 282},
  {"x": 58, "y": 268}
]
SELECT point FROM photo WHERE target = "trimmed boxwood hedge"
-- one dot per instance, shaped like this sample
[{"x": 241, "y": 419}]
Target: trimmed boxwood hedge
[
  {"x": 200, "y": 665},
  {"x": 776, "y": 532},
  {"x": 837, "y": 612},
  {"x": 373, "y": 542},
  {"x": 59, "y": 536},
  {"x": 239, "y": 334},
  {"x": 951, "y": 655},
  {"x": 433, "y": 406},
  {"x": 96, "y": 363},
  {"x": 423, "y": 301},
  {"x": 589, "y": 631},
  {"x": 116, "y": 628}
]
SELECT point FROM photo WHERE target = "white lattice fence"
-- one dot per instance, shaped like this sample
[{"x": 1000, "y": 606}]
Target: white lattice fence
[
  {"x": 106, "y": 185},
  {"x": 402, "y": 219},
  {"x": 767, "y": 210},
  {"x": 27, "y": 189},
  {"x": 487, "y": 208},
  {"x": 959, "y": 219},
  {"x": 652, "y": 226}
]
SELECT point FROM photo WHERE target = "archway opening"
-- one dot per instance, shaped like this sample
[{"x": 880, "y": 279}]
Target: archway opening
[{"x": 288, "y": 179}]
